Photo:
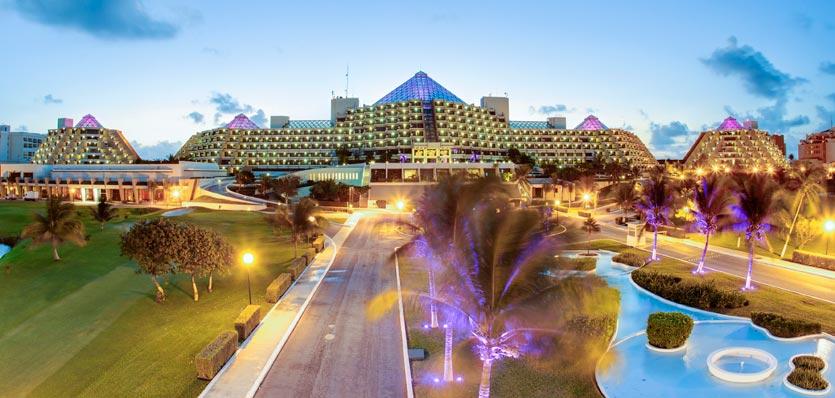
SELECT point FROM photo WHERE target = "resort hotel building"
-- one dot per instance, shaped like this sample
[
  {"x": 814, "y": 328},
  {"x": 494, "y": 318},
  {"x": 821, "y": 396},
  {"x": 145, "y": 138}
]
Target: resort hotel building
[
  {"x": 818, "y": 147},
  {"x": 420, "y": 121},
  {"x": 736, "y": 146},
  {"x": 88, "y": 142}
]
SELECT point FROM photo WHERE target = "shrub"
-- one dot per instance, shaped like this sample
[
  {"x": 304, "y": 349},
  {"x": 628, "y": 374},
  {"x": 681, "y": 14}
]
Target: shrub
[
  {"x": 694, "y": 293},
  {"x": 297, "y": 267},
  {"x": 807, "y": 379},
  {"x": 309, "y": 254},
  {"x": 584, "y": 325},
  {"x": 575, "y": 264},
  {"x": 810, "y": 362},
  {"x": 319, "y": 243},
  {"x": 277, "y": 287},
  {"x": 212, "y": 357},
  {"x": 781, "y": 326},
  {"x": 632, "y": 257},
  {"x": 814, "y": 259},
  {"x": 668, "y": 329},
  {"x": 247, "y": 321}
]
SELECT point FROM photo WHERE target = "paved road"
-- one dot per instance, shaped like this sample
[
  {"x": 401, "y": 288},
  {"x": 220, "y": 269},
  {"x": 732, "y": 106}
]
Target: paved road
[
  {"x": 335, "y": 350},
  {"x": 796, "y": 281}
]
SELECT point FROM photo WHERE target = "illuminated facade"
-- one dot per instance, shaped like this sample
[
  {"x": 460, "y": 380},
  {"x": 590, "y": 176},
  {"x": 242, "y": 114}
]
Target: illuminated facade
[
  {"x": 419, "y": 121},
  {"x": 734, "y": 145},
  {"x": 88, "y": 142},
  {"x": 818, "y": 147}
]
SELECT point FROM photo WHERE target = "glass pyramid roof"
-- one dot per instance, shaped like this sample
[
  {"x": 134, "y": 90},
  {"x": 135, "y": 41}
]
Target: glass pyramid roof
[
  {"x": 242, "y": 122},
  {"x": 88, "y": 122},
  {"x": 591, "y": 123},
  {"x": 419, "y": 87},
  {"x": 729, "y": 124}
]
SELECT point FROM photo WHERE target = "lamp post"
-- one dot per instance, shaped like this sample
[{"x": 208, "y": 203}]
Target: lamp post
[
  {"x": 828, "y": 227},
  {"x": 400, "y": 205},
  {"x": 248, "y": 259},
  {"x": 557, "y": 211}
]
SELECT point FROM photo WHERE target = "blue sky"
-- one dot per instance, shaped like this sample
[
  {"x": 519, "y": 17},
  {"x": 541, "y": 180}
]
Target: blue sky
[{"x": 161, "y": 70}]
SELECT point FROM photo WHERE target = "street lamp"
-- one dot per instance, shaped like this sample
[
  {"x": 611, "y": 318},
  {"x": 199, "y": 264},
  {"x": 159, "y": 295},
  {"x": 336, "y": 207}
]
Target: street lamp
[
  {"x": 248, "y": 259},
  {"x": 400, "y": 205},
  {"x": 828, "y": 227},
  {"x": 557, "y": 212}
]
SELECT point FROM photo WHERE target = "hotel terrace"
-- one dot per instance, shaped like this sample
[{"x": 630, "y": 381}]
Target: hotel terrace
[
  {"x": 418, "y": 122},
  {"x": 736, "y": 146},
  {"x": 87, "y": 143}
]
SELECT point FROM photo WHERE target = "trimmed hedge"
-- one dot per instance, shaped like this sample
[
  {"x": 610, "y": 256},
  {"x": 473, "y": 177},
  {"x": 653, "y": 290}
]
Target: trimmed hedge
[
  {"x": 309, "y": 254},
  {"x": 297, "y": 267},
  {"x": 668, "y": 329},
  {"x": 810, "y": 362},
  {"x": 319, "y": 243},
  {"x": 781, "y": 326},
  {"x": 631, "y": 257},
  {"x": 814, "y": 259},
  {"x": 808, "y": 379},
  {"x": 277, "y": 287},
  {"x": 584, "y": 325},
  {"x": 576, "y": 264},
  {"x": 212, "y": 357},
  {"x": 584, "y": 214},
  {"x": 247, "y": 321},
  {"x": 694, "y": 293}
]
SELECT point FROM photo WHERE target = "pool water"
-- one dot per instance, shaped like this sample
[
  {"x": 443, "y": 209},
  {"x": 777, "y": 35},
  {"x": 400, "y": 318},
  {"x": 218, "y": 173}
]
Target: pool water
[
  {"x": 629, "y": 369},
  {"x": 741, "y": 364},
  {"x": 4, "y": 249}
]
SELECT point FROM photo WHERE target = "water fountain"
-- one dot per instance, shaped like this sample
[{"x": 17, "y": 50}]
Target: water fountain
[{"x": 741, "y": 364}]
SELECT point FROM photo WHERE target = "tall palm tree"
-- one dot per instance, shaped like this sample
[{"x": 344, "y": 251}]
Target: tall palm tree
[
  {"x": 590, "y": 225},
  {"x": 103, "y": 212},
  {"x": 755, "y": 204},
  {"x": 657, "y": 197},
  {"x": 264, "y": 183},
  {"x": 57, "y": 226},
  {"x": 303, "y": 220},
  {"x": 625, "y": 196},
  {"x": 711, "y": 200},
  {"x": 806, "y": 182}
]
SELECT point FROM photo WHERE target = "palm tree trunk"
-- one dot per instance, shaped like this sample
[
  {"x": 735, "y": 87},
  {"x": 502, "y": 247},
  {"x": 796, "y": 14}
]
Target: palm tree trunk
[
  {"x": 791, "y": 227},
  {"x": 210, "y": 282},
  {"x": 160, "y": 291},
  {"x": 484, "y": 387},
  {"x": 654, "y": 256},
  {"x": 433, "y": 311},
  {"x": 55, "y": 256},
  {"x": 194, "y": 288},
  {"x": 750, "y": 264},
  {"x": 448, "y": 375},
  {"x": 700, "y": 268}
]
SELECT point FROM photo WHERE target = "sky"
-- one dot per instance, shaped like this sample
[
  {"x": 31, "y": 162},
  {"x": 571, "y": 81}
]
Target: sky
[{"x": 161, "y": 70}]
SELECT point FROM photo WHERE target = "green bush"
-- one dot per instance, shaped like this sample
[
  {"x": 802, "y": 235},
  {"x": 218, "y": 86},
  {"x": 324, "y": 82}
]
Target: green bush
[
  {"x": 810, "y": 362},
  {"x": 668, "y": 329},
  {"x": 632, "y": 257},
  {"x": 247, "y": 321},
  {"x": 584, "y": 325},
  {"x": 694, "y": 293},
  {"x": 575, "y": 263},
  {"x": 309, "y": 254},
  {"x": 297, "y": 267},
  {"x": 211, "y": 358},
  {"x": 781, "y": 326},
  {"x": 277, "y": 287},
  {"x": 319, "y": 243},
  {"x": 807, "y": 379}
]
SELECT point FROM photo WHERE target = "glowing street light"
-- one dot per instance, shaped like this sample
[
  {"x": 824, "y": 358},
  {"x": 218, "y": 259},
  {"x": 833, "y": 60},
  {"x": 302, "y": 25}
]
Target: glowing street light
[
  {"x": 586, "y": 197},
  {"x": 248, "y": 258},
  {"x": 700, "y": 172},
  {"x": 400, "y": 205},
  {"x": 828, "y": 227}
]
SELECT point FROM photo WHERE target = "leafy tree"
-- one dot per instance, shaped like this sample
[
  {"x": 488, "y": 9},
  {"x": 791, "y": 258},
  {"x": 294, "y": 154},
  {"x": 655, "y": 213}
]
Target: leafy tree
[
  {"x": 711, "y": 203},
  {"x": 203, "y": 252},
  {"x": 806, "y": 181},
  {"x": 283, "y": 217},
  {"x": 286, "y": 187},
  {"x": 756, "y": 204},
  {"x": 517, "y": 157},
  {"x": 657, "y": 197},
  {"x": 103, "y": 212},
  {"x": 625, "y": 196},
  {"x": 57, "y": 226},
  {"x": 307, "y": 220},
  {"x": 264, "y": 184},
  {"x": 327, "y": 190},
  {"x": 590, "y": 225},
  {"x": 244, "y": 176},
  {"x": 153, "y": 244},
  {"x": 806, "y": 230}
]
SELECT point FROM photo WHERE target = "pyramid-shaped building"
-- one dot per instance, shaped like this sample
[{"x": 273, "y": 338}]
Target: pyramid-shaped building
[
  {"x": 735, "y": 145},
  {"x": 99, "y": 145}
]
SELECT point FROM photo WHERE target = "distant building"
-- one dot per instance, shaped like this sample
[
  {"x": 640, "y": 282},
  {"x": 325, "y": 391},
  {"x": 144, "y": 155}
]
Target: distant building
[
  {"x": 780, "y": 141},
  {"x": 87, "y": 143},
  {"x": 818, "y": 146},
  {"x": 18, "y": 146},
  {"x": 736, "y": 146}
]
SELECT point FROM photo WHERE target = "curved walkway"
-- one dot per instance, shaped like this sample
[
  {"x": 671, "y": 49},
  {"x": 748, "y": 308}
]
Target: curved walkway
[{"x": 629, "y": 369}]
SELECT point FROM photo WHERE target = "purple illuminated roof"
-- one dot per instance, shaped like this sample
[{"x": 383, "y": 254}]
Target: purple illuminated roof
[
  {"x": 88, "y": 122},
  {"x": 242, "y": 122},
  {"x": 419, "y": 87},
  {"x": 730, "y": 124},
  {"x": 591, "y": 123}
]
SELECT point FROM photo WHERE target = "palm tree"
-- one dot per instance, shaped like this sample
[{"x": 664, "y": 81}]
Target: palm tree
[
  {"x": 304, "y": 220},
  {"x": 103, "y": 212},
  {"x": 806, "y": 182},
  {"x": 657, "y": 197},
  {"x": 264, "y": 183},
  {"x": 756, "y": 203},
  {"x": 57, "y": 226},
  {"x": 711, "y": 200},
  {"x": 590, "y": 225},
  {"x": 625, "y": 196}
]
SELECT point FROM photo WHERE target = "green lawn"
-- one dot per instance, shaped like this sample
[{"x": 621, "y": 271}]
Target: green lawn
[
  {"x": 763, "y": 299},
  {"x": 569, "y": 373},
  {"x": 88, "y": 325}
]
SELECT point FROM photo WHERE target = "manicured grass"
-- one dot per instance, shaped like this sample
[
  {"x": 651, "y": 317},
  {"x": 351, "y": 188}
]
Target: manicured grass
[
  {"x": 762, "y": 299},
  {"x": 88, "y": 325},
  {"x": 568, "y": 371}
]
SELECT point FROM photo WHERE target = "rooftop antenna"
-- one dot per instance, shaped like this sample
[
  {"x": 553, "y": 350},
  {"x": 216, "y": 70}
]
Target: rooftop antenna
[{"x": 347, "y": 71}]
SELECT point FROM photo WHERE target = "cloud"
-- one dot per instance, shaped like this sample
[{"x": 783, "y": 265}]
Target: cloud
[
  {"x": 772, "y": 118},
  {"x": 49, "y": 99},
  {"x": 550, "y": 109},
  {"x": 157, "y": 151},
  {"x": 828, "y": 68},
  {"x": 226, "y": 105},
  {"x": 671, "y": 140},
  {"x": 259, "y": 118},
  {"x": 758, "y": 74},
  {"x": 196, "y": 117},
  {"x": 106, "y": 19},
  {"x": 210, "y": 51},
  {"x": 23, "y": 128}
]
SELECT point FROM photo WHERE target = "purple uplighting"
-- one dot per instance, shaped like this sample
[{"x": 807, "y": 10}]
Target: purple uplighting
[
  {"x": 591, "y": 123},
  {"x": 729, "y": 124},
  {"x": 419, "y": 87},
  {"x": 242, "y": 122},
  {"x": 88, "y": 122}
]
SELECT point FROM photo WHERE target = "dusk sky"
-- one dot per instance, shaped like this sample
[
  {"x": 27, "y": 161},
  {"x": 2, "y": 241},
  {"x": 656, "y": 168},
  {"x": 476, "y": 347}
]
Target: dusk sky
[{"x": 162, "y": 70}]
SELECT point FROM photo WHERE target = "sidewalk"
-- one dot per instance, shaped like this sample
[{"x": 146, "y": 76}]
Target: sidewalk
[{"x": 243, "y": 373}]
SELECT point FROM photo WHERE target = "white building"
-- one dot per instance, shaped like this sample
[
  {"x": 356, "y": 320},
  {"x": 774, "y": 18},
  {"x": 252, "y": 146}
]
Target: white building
[{"x": 18, "y": 146}]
